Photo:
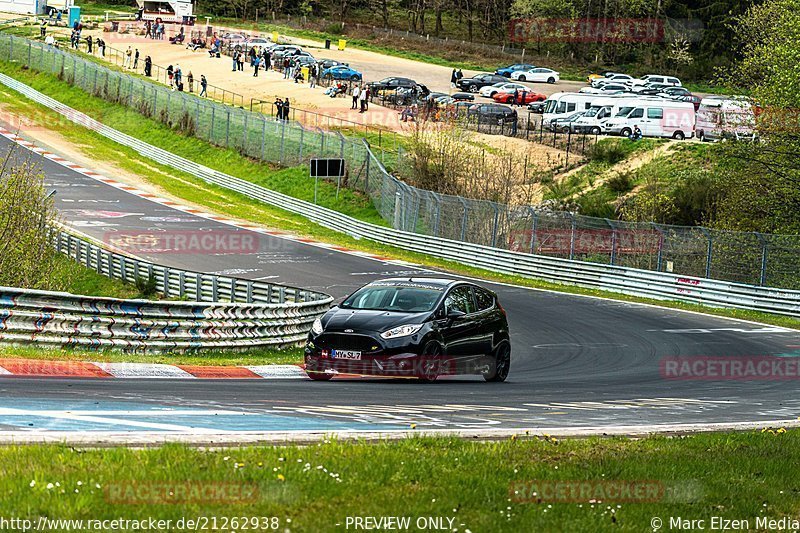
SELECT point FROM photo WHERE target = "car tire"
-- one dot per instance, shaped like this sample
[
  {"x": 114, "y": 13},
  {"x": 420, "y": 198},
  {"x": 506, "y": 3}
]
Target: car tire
[
  {"x": 595, "y": 130},
  {"x": 626, "y": 132},
  {"x": 431, "y": 370},
  {"x": 702, "y": 136},
  {"x": 551, "y": 80},
  {"x": 473, "y": 88},
  {"x": 502, "y": 364},
  {"x": 319, "y": 376},
  {"x": 565, "y": 129},
  {"x": 522, "y": 78},
  {"x": 679, "y": 135},
  {"x": 355, "y": 77}
]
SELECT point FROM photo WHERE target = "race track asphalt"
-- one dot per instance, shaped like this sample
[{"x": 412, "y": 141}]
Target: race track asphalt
[{"x": 577, "y": 361}]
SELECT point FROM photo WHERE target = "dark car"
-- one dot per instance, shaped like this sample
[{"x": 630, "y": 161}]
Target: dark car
[
  {"x": 412, "y": 327},
  {"x": 507, "y": 71},
  {"x": 694, "y": 99},
  {"x": 475, "y": 83},
  {"x": 675, "y": 92},
  {"x": 391, "y": 84},
  {"x": 536, "y": 107},
  {"x": 566, "y": 124},
  {"x": 463, "y": 97},
  {"x": 330, "y": 63},
  {"x": 495, "y": 114}
]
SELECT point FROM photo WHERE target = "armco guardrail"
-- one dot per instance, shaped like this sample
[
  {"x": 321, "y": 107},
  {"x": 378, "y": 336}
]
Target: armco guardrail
[
  {"x": 225, "y": 312},
  {"x": 594, "y": 275}
]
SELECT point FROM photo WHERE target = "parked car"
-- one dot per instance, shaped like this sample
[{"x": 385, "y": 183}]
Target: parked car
[
  {"x": 462, "y": 97},
  {"x": 391, "y": 84},
  {"x": 657, "y": 78},
  {"x": 325, "y": 64},
  {"x": 475, "y": 83},
  {"x": 490, "y": 90},
  {"x": 536, "y": 107},
  {"x": 494, "y": 114},
  {"x": 609, "y": 88},
  {"x": 538, "y": 74},
  {"x": 615, "y": 78},
  {"x": 420, "y": 327},
  {"x": 258, "y": 41},
  {"x": 305, "y": 61},
  {"x": 523, "y": 97},
  {"x": 693, "y": 99},
  {"x": 675, "y": 92},
  {"x": 565, "y": 124},
  {"x": 509, "y": 70},
  {"x": 342, "y": 72}
]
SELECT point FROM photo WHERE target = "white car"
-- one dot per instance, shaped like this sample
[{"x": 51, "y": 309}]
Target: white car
[
  {"x": 259, "y": 41},
  {"x": 657, "y": 78},
  {"x": 608, "y": 88},
  {"x": 614, "y": 78},
  {"x": 538, "y": 74},
  {"x": 491, "y": 90}
]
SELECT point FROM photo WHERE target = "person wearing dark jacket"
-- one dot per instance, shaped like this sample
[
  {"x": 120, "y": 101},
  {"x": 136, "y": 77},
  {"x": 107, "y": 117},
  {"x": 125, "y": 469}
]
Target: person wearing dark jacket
[
  {"x": 148, "y": 66},
  {"x": 286, "y": 109}
]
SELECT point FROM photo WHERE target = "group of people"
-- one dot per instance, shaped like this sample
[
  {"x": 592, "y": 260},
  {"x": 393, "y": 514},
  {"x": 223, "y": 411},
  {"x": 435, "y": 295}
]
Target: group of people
[
  {"x": 283, "y": 108},
  {"x": 175, "y": 80},
  {"x": 75, "y": 36},
  {"x": 361, "y": 96},
  {"x": 154, "y": 30},
  {"x": 455, "y": 76},
  {"x": 131, "y": 59}
]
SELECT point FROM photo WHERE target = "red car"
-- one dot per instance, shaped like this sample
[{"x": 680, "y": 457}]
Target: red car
[{"x": 530, "y": 97}]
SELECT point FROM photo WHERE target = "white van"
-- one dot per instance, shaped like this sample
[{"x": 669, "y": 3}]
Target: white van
[
  {"x": 658, "y": 79},
  {"x": 655, "y": 118},
  {"x": 559, "y": 105},
  {"x": 601, "y": 109},
  {"x": 721, "y": 117}
]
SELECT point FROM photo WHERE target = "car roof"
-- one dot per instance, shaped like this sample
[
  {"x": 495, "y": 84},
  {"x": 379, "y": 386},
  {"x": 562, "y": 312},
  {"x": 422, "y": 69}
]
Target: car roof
[{"x": 439, "y": 282}]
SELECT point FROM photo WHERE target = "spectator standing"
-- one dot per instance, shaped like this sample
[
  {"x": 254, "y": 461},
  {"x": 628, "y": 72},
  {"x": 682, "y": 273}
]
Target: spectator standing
[
  {"x": 286, "y": 109},
  {"x": 190, "y": 81},
  {"x": 170, "y": 74},
  {"x": 313, "y": 72},
  {"x": 89, "y": 43},
  {"x": 453, "y": 79},
  {"x": 287, "y": 66},
  {"x": 252, "y": 55},
  {"x": 367, "y": 94},
  {"x": 522, "y": 96},
  {"x": 178, "y": 76},
  {"x": 235, "y": 61},
  {"x": 148, "y": 66},
  {"x": 459, "y": 75},
  {"x": 362, "y": 98},
  {"x": 256, "y": 61},
  {"x": 102, "y": 45},
  {"x": 148, "y": 30},
  {"x": 203, "y": 85},
  {"x": 43, "y": 28},
  {"x": 354, "y": 94},
  {"x": 515, "y": 98},
  {"x": 267, "y": 60},
  {"x": 136, "y": 59},
  {"x": 278, "y": 108}
]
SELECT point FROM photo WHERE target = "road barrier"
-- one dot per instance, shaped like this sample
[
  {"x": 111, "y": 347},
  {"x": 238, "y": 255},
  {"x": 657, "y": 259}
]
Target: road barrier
[
  {"x": 215, "y": 312},
  {"x": 625, "y": 280}
]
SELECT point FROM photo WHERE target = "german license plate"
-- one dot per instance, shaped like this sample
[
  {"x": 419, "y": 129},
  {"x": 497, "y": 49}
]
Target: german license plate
[{"x": 346, "y": 354}]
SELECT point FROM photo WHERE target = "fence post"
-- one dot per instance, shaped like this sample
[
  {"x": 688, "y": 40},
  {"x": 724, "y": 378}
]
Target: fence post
[
  {"x": 496, "y": 222},
  {"x": 613, "y": 240},
  {"x": 366, "y": 176},
  {"x": 398, "y": 199},
  {"x": 464, "y": 219},
  {"x": 213, "y": 117},
  {"x": 263, "y": 138},
  {"x": 283, "y": 138},
  {"x": 300, "y": 148},
  {"x": 572, "y": 236},
  {"x": 764, "y": 244},
  {"x": 228, "y": 130},
  {"x": 661, "y": 238},
  {"x": 710, "y": 250},
  {"x": 533, "y": 228}
]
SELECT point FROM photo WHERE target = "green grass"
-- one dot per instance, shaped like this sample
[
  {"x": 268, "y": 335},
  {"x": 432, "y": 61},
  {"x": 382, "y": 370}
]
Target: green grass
[
  {"x": 233, "y": 204},
  {"x": 315, "y": 488},
  {"x": 261, "y": 356},
  {"x": 85, "y": 281}
]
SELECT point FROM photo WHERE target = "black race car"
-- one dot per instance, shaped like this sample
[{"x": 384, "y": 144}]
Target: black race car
[
  {"x": 412, "y": 327},
  {"x": 475, "y": 83}
]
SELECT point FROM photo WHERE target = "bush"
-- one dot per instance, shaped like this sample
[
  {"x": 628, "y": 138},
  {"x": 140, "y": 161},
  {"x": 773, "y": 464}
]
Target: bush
[
  {"x": 610, "y": 152},
  {"x": 147, "y": 287},
  {"x": 620, "y": 183},
  {"x": 27, "y": 214}
]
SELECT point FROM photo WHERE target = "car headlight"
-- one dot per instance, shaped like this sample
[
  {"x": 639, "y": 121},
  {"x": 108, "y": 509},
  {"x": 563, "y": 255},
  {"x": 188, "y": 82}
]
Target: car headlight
[
  {"x": 401, "y": 331},
  {"x": 316, "y": 328}
]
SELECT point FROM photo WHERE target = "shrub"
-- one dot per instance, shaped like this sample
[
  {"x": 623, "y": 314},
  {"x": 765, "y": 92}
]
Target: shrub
[
  {"x": 620, "y": 183},
  {"x": 610, "y": 152}
]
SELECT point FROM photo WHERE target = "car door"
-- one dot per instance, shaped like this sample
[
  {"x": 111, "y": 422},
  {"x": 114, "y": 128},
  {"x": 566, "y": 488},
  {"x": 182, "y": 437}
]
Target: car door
[
  {"x": 636, "y": 118},
  {"x": 459, "y": 334},
  {"x": 487, "y": 320},
  {"x": 654, "y": 126}
]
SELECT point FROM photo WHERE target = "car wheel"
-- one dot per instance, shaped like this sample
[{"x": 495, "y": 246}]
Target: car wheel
[
  {"x": 431, "y": 356},
  {"x": 702, "y": 136},
  {"x": 522, "y": 78},
  {"x": 565, "y": 129},
  {"x": 354, "y": 77},
  {"x": 319, "y": 376},
  {"x": 551, "y": 80},
  {"x": 502, "y": 364},
  {"x": 678, "y": 135},
  {"x": 595, "y": 130},
  {"x": 626, "y": 132},
  {"x": 473, "y": 88}
]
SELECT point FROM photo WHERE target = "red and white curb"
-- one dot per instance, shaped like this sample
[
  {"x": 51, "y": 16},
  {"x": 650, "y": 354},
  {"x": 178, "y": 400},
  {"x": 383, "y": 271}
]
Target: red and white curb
[
  {"x": 187, "y": 209},
  {"x": 85, "y": 369}
]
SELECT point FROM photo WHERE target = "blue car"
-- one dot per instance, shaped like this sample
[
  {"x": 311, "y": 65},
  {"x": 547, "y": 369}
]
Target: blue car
[
  {"x": 506, "y": 71},
  {"x": 341, "y": 72}
]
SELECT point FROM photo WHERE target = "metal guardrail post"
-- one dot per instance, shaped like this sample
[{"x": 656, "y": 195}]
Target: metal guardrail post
[
  {"x": 249, "y": 292},
  {"x": 710, "y": 250},
  {"x": 661, "y": 238}
]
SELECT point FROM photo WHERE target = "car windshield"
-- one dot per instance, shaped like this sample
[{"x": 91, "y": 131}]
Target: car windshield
[{"x": 398, "y": 298}]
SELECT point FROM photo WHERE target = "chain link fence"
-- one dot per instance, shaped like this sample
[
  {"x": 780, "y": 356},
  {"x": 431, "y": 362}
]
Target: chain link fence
[{"x": 751, "y": 258}]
